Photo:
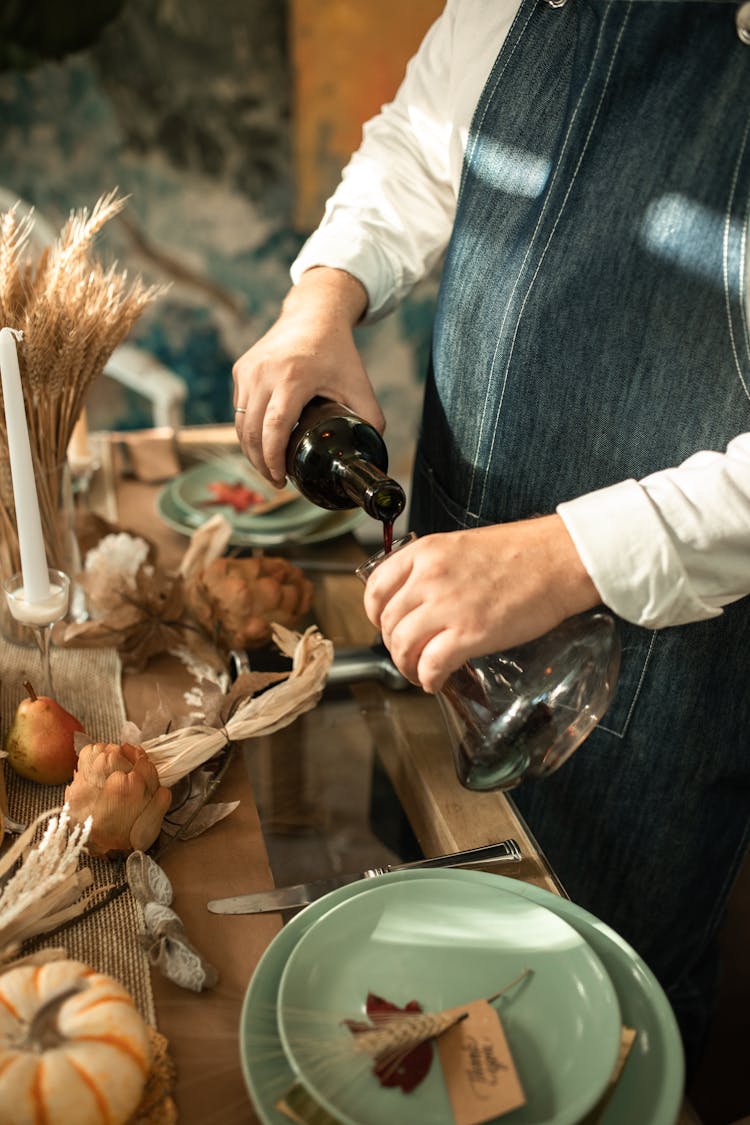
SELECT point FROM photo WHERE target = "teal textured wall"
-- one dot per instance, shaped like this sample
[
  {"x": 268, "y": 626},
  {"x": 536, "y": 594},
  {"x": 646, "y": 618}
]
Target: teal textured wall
[{"x": 185, "y": 106}]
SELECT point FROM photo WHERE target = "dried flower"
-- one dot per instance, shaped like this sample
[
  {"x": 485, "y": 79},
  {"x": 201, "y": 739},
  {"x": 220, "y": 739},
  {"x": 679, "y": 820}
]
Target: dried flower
[
  {"x": 118, "y": 787},
  {"x": 111, "y": 567},
  {"x": 140, "y": 617},
  {"x": 237, "y": 600},
  {"x": 47, "y": 888}
]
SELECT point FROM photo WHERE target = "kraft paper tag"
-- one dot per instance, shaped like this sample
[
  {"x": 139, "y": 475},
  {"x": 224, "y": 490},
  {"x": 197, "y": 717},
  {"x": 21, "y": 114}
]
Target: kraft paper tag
[{"x": 478, "y": 1068}]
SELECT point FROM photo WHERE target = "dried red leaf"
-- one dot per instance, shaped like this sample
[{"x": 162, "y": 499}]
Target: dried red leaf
[
  {"x": 377, "y": 1007},
  {"x": 408, "y": 1070},
  {"x": 235, "y": 494}
]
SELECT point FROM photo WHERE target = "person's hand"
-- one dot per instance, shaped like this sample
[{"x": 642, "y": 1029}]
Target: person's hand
[
  {"x": 309, "y": 351},
  {"x": 448, "y": 597}
]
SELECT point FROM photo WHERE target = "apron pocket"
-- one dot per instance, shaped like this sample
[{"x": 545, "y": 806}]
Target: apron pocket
[
  {"x": 432, "y": 508},
  {"x": 637, "y": 646}
]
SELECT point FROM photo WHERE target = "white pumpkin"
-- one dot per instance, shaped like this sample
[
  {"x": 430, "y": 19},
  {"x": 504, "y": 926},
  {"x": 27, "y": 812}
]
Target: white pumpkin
[{"x": 74, "y": 1049}]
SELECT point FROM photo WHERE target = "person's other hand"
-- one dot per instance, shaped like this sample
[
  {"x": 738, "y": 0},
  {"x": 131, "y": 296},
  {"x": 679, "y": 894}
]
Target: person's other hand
[
  {"x": 309, "y": 351},
  {"x": 448, "y": 597}
]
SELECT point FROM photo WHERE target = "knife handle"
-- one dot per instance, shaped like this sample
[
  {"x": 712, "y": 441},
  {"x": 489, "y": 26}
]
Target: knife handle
[{"x": 506, "y": 851}]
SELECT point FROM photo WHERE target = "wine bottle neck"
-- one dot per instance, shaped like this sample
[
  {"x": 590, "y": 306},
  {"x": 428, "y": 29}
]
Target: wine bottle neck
[{"x": 379, "y": 495}]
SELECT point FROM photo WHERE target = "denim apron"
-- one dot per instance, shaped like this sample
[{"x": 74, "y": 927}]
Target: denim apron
[{"x": 590, "y": 328}]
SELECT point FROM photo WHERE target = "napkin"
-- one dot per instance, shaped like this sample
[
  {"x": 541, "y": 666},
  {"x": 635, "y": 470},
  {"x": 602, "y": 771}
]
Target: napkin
[{"x": 152, "y": 454}]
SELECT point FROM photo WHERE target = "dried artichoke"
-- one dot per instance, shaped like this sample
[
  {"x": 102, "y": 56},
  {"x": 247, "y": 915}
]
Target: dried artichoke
[
  {"x": 236, "y": 600},
  {"x": 118, "y": 787}
]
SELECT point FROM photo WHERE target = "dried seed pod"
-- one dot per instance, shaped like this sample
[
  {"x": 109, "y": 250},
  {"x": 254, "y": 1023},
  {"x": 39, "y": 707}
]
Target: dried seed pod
[{"x": 237, "y": 600}]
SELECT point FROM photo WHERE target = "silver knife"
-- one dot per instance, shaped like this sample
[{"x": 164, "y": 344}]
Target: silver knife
[{"x": 286, "y": 898}]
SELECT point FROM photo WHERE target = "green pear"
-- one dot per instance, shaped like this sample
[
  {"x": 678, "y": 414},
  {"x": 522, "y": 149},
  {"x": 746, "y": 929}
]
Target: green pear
[{"x": 40, "y": 743}]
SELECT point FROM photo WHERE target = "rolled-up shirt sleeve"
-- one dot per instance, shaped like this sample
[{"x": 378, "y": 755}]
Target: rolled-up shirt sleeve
[
  {"x": 390, "y": 219},
  {"x": 673, "y": 547}
]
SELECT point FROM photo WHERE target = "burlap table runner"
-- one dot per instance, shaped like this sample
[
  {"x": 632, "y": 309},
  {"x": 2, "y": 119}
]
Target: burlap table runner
[{"x": 87, "y": 683}]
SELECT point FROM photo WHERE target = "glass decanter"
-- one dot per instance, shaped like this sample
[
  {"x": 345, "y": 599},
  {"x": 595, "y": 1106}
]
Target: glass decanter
[{"x": 521, "y": 713}]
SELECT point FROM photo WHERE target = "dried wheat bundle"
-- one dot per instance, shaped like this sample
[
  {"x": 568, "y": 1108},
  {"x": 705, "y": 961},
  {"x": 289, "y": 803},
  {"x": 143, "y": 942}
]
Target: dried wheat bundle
[
  {"x": 178, "y": 752},
  {"x": 73, "y": 312}
]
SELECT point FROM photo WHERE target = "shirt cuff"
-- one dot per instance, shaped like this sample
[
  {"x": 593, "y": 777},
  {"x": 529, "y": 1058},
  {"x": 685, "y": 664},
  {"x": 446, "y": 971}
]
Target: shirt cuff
[
  {"x": 345, "y": 248},
  {"x": 631, "y": 557}
]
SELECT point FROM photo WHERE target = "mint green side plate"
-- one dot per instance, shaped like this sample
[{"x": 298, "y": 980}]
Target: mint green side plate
[
  {"x": 650, "y": 1090},
  {"x": 190, "y": 493},
  {"x": 329, "y": 525},
  {"x": 446, "y": 942}
]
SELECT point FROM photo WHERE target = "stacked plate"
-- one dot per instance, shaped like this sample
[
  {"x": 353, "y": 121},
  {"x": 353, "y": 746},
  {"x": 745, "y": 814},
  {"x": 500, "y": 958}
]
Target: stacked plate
[
  {"x": 191, "y": 499},
  {"x": 445, "y": 938}
]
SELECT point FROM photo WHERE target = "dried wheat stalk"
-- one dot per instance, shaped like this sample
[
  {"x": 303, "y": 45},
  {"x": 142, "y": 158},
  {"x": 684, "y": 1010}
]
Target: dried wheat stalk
[
  {"x": 73, "y": 313},
  {"x": 401, "y": 1034}
]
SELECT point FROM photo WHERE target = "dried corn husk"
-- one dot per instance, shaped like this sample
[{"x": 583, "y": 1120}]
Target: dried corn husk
[
  {"x": 3, "y": 797},
  {"x": 207, "y": 543},
  {"x": 178, "y": 752}
]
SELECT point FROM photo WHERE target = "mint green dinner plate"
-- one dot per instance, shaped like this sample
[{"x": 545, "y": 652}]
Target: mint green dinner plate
[
  {"x": 329, "y": 525},
  {"x": 650, "y": 1090},
  {"x": 445, "y": 942},
  {"x": 190, "y": 493}
]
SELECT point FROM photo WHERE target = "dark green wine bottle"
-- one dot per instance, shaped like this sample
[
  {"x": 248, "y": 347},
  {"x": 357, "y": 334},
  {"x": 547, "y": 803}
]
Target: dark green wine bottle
[{"x": 337, "y": 460}]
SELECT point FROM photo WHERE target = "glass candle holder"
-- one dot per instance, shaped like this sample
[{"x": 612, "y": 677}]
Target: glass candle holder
[
  {"x": 521, "y": 713},
  {"x": 39, "y": 616},
  {"x": 57, "y": 512}
]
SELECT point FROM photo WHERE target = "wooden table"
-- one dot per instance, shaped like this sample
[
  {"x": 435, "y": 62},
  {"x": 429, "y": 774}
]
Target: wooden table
[{"x": 231, "y": 858}]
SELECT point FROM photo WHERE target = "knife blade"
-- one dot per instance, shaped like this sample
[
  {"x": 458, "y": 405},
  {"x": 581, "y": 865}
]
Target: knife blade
[{"x": 287, "y": 898}]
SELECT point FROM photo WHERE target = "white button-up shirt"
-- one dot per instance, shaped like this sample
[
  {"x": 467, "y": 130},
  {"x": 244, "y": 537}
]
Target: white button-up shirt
[{"x": 670, "y": 548}]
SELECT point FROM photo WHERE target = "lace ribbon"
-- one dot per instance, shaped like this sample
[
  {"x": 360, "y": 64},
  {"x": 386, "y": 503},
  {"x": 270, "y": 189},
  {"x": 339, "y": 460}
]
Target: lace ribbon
[{"x": 165, "y": 942}]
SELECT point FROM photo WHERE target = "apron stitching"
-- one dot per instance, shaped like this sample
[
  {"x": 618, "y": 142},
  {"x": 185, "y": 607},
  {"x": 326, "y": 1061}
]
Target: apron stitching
[
  {"x": 546, "y": 248},
  {"x": 743, "y": 279},
  {"x": 727, "y": 230},
  {"x": 624, "y": 730},
  {"x": 475, "y": 129},
  {"x": 542, "y": 214}
]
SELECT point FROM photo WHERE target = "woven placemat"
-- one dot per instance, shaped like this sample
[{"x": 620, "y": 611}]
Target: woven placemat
[{"x": 86, "y": 683}]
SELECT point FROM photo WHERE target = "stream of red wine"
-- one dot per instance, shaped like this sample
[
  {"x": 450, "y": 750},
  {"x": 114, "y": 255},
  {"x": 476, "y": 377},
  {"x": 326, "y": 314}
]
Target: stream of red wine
[{"x": 387, "y": 536}]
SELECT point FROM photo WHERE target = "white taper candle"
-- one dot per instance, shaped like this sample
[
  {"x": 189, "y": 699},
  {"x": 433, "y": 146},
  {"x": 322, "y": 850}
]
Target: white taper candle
[{"x": 28, "y": 520}]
